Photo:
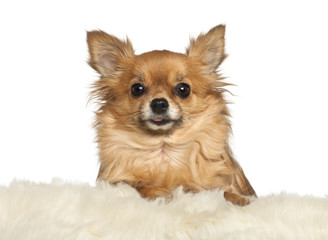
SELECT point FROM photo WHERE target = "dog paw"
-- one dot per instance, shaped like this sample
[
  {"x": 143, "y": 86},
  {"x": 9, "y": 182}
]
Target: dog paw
[{"x": 238, "y": 199}]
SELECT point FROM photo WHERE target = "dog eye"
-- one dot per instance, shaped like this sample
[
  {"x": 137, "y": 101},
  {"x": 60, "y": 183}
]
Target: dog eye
[
  {"x": 137, "y": 89},
  {"x": 182, "y": 90}
]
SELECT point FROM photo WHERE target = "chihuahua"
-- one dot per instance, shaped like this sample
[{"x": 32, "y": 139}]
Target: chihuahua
[{"x": 162, "y": 120}]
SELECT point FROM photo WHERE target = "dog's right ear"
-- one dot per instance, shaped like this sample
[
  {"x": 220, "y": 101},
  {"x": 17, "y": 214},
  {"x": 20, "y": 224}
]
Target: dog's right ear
[{"x": 106, "y": 52}]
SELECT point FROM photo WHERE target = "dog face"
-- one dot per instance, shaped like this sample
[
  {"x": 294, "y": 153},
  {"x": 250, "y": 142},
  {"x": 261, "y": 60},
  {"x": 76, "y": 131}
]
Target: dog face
[
  {"x": 160, "y": 91},
  {"x": 157, "y": 91}
]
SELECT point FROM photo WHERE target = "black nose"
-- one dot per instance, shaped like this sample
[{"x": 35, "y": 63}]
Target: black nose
[{"x": 159, "y": 105}]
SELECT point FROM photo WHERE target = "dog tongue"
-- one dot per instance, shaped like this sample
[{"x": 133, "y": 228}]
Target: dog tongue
[{"x": 157, "y": 119}]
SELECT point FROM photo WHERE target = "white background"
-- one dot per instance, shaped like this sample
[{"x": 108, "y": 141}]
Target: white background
[{"x": 277, "y": 58}]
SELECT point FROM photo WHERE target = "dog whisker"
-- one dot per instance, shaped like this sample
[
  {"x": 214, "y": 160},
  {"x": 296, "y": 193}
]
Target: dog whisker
[{"x": 134, "y": 115}]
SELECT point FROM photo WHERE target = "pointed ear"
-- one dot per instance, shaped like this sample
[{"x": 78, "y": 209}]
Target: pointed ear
[
  {"x": 106, "y": 51},
  {"x": 209, "y": 47}
]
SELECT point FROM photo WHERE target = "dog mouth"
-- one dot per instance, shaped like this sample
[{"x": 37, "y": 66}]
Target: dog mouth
[{"x": 160, "y": 123}]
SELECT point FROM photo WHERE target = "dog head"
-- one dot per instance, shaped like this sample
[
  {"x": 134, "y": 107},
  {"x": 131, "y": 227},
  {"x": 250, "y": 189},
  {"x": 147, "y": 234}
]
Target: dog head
[{"x": 157, "y": 91}]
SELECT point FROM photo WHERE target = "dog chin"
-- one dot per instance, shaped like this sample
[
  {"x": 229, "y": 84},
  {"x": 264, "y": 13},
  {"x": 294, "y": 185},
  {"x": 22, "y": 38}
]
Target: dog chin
[{"x": 160, "y": 127}]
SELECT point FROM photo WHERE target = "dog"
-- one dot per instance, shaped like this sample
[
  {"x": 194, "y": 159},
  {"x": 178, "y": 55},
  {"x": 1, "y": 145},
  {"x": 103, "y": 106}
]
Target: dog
[{"x": 163, "y": 120}]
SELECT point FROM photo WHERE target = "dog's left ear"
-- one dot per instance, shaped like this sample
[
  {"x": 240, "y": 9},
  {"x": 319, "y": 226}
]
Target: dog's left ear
[{"x": 209, "y": 48}]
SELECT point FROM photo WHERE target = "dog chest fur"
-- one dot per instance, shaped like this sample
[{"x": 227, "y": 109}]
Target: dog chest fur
[{"x": 182, "y": 158}]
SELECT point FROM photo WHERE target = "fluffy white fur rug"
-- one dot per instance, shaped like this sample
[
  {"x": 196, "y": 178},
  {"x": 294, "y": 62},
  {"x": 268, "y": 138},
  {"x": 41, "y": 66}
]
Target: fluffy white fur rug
[{"x": 78, "y": 211}]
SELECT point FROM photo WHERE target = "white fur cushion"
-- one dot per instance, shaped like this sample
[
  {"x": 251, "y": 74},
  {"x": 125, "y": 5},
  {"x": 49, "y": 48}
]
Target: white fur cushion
[{"x": 78, "y": 211}]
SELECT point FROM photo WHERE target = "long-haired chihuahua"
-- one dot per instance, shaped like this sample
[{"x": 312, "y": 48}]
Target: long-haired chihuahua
[{"x": 163, "y": 120}]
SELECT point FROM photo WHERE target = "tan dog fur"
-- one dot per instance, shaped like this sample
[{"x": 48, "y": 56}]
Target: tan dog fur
[{"x": 194, "y": 153}]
